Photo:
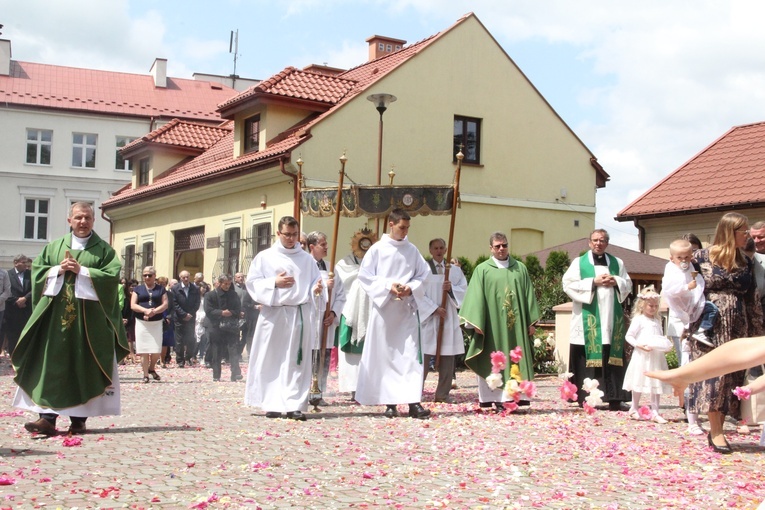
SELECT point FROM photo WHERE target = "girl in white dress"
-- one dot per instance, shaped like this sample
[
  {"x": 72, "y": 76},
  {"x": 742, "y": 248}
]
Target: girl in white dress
[{"x": 646, "y": 336}]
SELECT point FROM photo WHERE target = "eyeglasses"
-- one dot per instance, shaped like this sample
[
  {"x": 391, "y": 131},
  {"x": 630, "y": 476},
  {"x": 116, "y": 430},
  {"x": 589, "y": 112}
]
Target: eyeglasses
[
  {"x": 498, "y": 246},
  {"x": 738, "y": 231},
  {"x": 598, "y": 241},
  {"x": 148, "y": 275},
  {"x": 288, "y": 234}
]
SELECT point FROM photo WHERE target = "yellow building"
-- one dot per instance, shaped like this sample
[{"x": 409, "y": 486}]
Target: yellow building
[{"x": 208, "y": 200}]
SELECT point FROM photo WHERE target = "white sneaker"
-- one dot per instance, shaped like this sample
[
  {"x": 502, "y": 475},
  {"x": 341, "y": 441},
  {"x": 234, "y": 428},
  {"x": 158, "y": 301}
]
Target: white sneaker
[
  {"x": 701, "y": 337},
  {"x": 695, "y": 430}
]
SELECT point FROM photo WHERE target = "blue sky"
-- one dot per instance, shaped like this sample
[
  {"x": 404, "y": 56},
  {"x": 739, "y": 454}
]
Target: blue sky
[{"x": 645, "y": 85}]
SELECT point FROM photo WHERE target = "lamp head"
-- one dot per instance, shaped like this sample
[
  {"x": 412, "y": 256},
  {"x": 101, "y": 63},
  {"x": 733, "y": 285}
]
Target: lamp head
[{"x": 381, "y": 101}]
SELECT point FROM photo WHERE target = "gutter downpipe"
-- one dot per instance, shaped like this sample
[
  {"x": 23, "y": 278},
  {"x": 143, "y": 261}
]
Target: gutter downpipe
[
  {"x": 641, "y": 235},
  {"x": 295, "y": 198},
  {"x": 111, "y": 226}
]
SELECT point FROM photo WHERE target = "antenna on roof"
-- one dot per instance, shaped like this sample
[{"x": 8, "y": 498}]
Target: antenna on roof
[{"x": 233, "y": 47}]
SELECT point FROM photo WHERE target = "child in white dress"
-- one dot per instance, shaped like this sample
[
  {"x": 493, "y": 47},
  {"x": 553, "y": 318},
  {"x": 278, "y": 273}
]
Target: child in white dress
[{"x": 646, "y": 336}]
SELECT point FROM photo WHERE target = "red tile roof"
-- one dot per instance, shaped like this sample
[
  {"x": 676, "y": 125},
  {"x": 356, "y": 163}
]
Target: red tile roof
[
  {"x": 727, "y": 174},
  {"x": 89, "y": 90},
  {"x": 635, "y": 262},
  {"x": 180, "y": 134}
]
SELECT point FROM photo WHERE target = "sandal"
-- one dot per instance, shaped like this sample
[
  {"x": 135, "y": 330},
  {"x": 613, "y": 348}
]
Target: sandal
[
  {"x": 155, "y": 375},
  {"x": 145, "y": 380},
  {"x": 695, "y": 430}
]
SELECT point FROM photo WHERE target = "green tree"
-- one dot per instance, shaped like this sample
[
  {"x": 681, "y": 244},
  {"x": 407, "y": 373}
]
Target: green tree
[{"x": 548, "y": 286}]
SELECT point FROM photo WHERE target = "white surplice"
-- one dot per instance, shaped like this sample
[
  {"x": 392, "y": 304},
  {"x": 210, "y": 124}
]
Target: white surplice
[
  {"x": 391, "y": 363},
  {"x": 452, "y": 343},
  {"x": 581, "y": 290},
  {"x": 356, "y": 313},
  {"x": 276, "y": 380}
]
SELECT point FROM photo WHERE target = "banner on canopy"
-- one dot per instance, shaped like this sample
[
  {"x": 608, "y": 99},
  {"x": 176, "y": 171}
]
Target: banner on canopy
[{"x": 378, "y": 201}]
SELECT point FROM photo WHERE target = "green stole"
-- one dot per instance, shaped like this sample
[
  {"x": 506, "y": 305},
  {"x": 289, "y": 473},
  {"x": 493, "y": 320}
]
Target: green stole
[{"x": 593, "y": 341}]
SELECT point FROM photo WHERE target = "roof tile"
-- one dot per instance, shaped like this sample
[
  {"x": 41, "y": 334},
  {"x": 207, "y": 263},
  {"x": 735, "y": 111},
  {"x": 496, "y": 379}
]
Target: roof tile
[
  {"x": 49, "y": 86},
  {"x": 726, "y": 173}
]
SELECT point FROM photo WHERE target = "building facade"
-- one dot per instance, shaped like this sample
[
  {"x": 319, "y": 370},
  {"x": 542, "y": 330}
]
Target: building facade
[
  {"x": 61, "y": 129},
  {"x": 525, "y": 171}
]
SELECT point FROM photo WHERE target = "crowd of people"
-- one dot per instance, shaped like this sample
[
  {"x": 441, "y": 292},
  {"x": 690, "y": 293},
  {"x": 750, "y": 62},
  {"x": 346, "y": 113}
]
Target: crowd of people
[{"x": 390, "y": 313}]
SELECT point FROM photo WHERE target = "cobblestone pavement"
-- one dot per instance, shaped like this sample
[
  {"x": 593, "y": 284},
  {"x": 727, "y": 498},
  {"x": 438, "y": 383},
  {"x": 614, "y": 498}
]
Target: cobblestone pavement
[{"x": 187, "y": 442}]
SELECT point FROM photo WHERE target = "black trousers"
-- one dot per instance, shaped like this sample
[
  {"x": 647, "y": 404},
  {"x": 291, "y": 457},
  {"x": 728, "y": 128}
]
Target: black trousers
[
  {"x": 610, "y": 377},
  {"x": 220, "y": 342},
  {"x": 185, "y": 341}
]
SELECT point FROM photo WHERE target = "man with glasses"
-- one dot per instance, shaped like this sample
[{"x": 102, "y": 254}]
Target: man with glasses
[
  {"x": 499, "y": 313},
  {"x": 64, "y": 363},
  {"x": 186, "y": 301},
  {"x": 285, "y": 280},
  {"x": 598, "y": 284}
]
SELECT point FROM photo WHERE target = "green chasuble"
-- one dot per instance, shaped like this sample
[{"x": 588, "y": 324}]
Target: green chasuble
[
  {"x": 66, "y": 352},
  {"x": 501, "y": 304},
  {"x": 344, "y": 336}
]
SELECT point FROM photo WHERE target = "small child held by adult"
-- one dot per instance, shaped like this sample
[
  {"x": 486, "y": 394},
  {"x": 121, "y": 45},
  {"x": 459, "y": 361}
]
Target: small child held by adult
[
  {"x": 683, "y": 289},
  {"x": 646, "y": 336}
]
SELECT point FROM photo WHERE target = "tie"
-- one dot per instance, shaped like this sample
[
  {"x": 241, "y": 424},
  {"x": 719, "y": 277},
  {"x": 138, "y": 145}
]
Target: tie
[
  {"x": 440, "y": 268},
  {"x": 322, "y": 265}
]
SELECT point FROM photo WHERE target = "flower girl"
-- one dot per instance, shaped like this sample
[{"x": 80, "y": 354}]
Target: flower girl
[{"x": 645, "y": 335}]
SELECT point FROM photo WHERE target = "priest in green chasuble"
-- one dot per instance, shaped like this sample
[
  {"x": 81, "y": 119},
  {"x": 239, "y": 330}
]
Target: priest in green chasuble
[
  {"x": 66, "y": 359},
  {"x": 498, "y": 314},
  {"x": 598, "y": 284}
]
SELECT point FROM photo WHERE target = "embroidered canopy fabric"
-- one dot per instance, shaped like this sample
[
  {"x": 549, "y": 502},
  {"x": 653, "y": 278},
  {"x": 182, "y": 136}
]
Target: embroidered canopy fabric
[{"x": 378, "y": 201}]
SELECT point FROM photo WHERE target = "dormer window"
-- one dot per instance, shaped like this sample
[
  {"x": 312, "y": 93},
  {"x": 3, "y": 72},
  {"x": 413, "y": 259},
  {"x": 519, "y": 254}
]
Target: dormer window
[
  {"x": 252, "y": 134},
  {"x": 143, "y": 172}
]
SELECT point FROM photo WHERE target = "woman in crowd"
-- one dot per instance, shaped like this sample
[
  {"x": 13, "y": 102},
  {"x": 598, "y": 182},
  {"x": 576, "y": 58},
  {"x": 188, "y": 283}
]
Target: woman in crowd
[
  {"x": 128, "y": 318},
  {"x": 149, "y": 302},
  {"x": 730, "y": 285}
]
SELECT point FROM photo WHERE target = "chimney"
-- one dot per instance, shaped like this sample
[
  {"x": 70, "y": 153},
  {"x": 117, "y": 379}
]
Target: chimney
[
  {"x": 5, "y": 57},
  {"x": 159, "y": 72},
  {"x": 380, "y": 46}
]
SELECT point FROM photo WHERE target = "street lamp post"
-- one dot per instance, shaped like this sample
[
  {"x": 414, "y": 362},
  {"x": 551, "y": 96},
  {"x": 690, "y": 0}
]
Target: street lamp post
[{"x": 381, "y": 102}]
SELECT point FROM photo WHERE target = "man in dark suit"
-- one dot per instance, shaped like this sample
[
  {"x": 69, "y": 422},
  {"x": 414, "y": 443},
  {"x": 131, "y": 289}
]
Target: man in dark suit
[
  {"x": 18, "y": 307},
  {"x": 185, "y": 305}
]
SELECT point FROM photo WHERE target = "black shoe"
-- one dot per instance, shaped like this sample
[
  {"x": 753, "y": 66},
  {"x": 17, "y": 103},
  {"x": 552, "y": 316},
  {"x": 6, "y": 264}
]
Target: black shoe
[
  {"x": 522, "y": 403},
  {"x": 484, "y": 404},
  {"x": 216, "y": 380},
  {"x": 77, "y": 428},
  {"x": 273, "y": 414},
  {"x": 417, "y": 411},
  {"x": 237, "y": 378},
  {"x": 499, "y": 407},
  {"x": 615, "y": 405},
  {"x": 145, "y": 380},
  {"x": 391, "y": 412},
  {"x": 725, "y": 450},
  {"x": 155, "y": 375},
  {"x": 296, "y": 415}
]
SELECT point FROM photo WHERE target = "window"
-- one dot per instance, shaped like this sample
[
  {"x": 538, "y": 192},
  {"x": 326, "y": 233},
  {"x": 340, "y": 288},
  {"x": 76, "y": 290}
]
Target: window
[
  {"x": 467, "y": 138},
  {"x": 381, "y": 46},
  {"x": 36, "y": 219},
  {"x": 84, "y": 150},
  {"x": 252, "y": 134},
  {"x": 119, "y": 162},
  {"x": 398, "y": 47},
  {"x": 143, "y": 172},
  {"x": 148, "y": 254},
  {"x": 39, "y": 143},
  {"x": 262, "y": 234},
  {"x": 231, "y": 248},
  {"x": 129, "y": 266}
]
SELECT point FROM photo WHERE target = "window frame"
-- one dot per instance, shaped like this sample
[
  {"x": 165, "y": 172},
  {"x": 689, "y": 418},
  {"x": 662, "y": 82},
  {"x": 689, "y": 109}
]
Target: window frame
[
  {"x": 35, "y": 215},
  {"x": 127, "y": 165},
  {"x": 232, "y": 249},
  {"x": 252, "y": 140},
  {"x": 460, "y": 142},
  {"x": 38, "y": 143},
  {"x": 144, "y": 171},
  {"x": 129, "y": 262},
  {"x": 83, "y": 150}
]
